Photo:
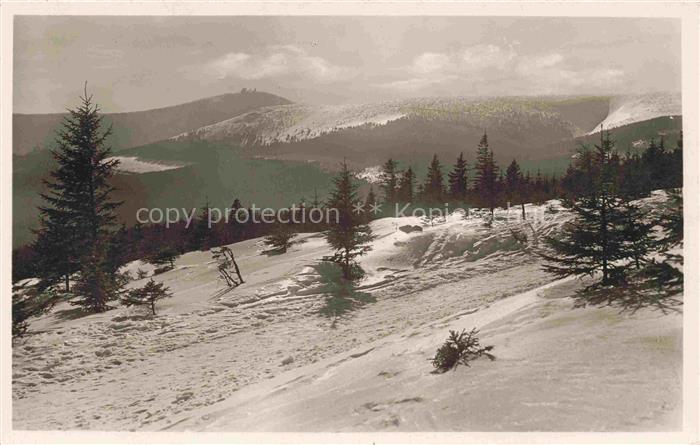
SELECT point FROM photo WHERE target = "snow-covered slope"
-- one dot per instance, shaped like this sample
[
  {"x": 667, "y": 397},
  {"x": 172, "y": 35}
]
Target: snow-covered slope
[
  {"x": 132, "y": 164},
  {"x": 557, "y": 369},
  {"x": 261, "y": 357},
  {"x": 287, "y": 123},
  {"x": 625, "y": 110}
]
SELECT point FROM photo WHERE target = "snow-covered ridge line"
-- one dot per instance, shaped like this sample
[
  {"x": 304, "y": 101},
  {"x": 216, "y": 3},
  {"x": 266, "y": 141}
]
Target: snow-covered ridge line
[
  {"x": 289, "y": 123},
  {"x": 625, "y": 110},
  {"x": 295, "y": 122}
]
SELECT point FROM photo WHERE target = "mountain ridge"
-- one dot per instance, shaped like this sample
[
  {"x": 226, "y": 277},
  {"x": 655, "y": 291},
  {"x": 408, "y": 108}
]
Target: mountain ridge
[{"x": 37, "y": 131}]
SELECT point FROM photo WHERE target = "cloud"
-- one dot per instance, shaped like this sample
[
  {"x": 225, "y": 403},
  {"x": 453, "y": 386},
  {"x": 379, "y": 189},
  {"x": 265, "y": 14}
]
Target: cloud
[
  {"x": 429, "y": 62},
  {"x": 489, "y": 67},
  {"x": 412, "y": 84},
  {"x": 480, "y": 57},
  {"x": 277, "y": 61}
]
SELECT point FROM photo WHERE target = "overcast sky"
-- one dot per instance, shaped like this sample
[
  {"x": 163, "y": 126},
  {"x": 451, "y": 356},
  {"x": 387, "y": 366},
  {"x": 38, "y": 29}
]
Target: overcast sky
[{"x": 135, "y": 63}]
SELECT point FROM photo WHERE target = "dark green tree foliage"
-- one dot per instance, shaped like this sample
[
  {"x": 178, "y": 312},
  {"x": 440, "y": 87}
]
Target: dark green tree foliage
[
  {"x": 407, "y": 186},
  {"x": 117, "y": 249},
  {"x": 594, "y": 241},
  {"x": 282, "y": 237},
  {"x": 96, "y": 285},
  {"x": 433, "y": 190},
  {"x": 580, "y": 176},
  {"x": 371, "y": 203},
  {"x": 348, "y": 235},
  {"x": 654, "y": 163},
  {"x": 147, "y": 295},
  {"x": 78, "y": 215},
  {"x": 676, "y": 163},
  {"x": 672, "y": 220},
  {"x": 389, "y": 180},
  {"x": 636, "y": 234},
  {"x": 201, "y": 233},
  {"x": 486, "y": 174},
  {"x": 634, "y": 180},
  {"x": 460, "y": 348},
  {"x": 457, "y": 179},
  {"x": 371, "y": 199},
  {"x": 667, "y": 274},
  {"x": 57, "y": 248},
  {"x": 538, "y": 190},
  {"x": 515, "y": 186},
  {"x": 164, "y": 258},
  {"x": 28, "y": 303},
  {"x": 24, "y": 263}
]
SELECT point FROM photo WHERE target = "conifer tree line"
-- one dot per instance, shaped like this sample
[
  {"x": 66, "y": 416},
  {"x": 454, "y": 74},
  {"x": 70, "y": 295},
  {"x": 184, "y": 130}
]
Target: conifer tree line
[
  {"x": 482, "y": 184},
  {"x": 485, "y": 184}
]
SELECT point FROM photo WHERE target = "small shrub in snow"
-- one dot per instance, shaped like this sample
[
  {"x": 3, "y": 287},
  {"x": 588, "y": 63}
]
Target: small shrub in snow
[
  {"x": 460, "y": 348},
  {"x": 141, "y": 274},
  {"x": 281, "y": 239},
  {"x": 147, "y": 295},
  {"x": 227, "y": 266},
  {"x": 30, "y": 302},
  {"x": 164, "y": 258}
]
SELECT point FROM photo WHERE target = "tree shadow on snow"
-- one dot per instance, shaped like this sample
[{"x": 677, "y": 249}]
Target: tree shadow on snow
[
  {"x": 342, "y": 295},
  {"x": 273, "y": 252},
  {"x": 653, "y": 287}
]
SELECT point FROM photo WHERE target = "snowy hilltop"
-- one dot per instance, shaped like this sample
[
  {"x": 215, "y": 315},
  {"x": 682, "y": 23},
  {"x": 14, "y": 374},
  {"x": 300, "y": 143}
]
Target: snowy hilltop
[{"x": 625, "y": 110}]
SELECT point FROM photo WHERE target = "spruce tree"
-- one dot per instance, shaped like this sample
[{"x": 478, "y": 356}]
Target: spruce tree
[
  {"x": 434, "y": 188},
  {"x": 457, "y": 180},
  {"x": 634, "y": 178},
  {"x": 654, "y": 163},
  {"x": 594, "y": 241},
  {"x": 580, "y": 176},
  {"x": 389, "y": 180},
  {"x": 370, "y": 203},
  {"x": 200, "y": 232},
  {"x": 407, "y": 185},
  {"x": 486, "y": 175},
  {"x": 515, "y": 186},
  {"x": 636, "y": 234},
  {"x": 676, "y": 163},
  {"x": 349, "y": 235},
  {"x": 668, "y": 273},
  {"x": 78, "y": 215},
  {"x": 672, "y": 225},
  {"x": 538, "y": 188}
]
